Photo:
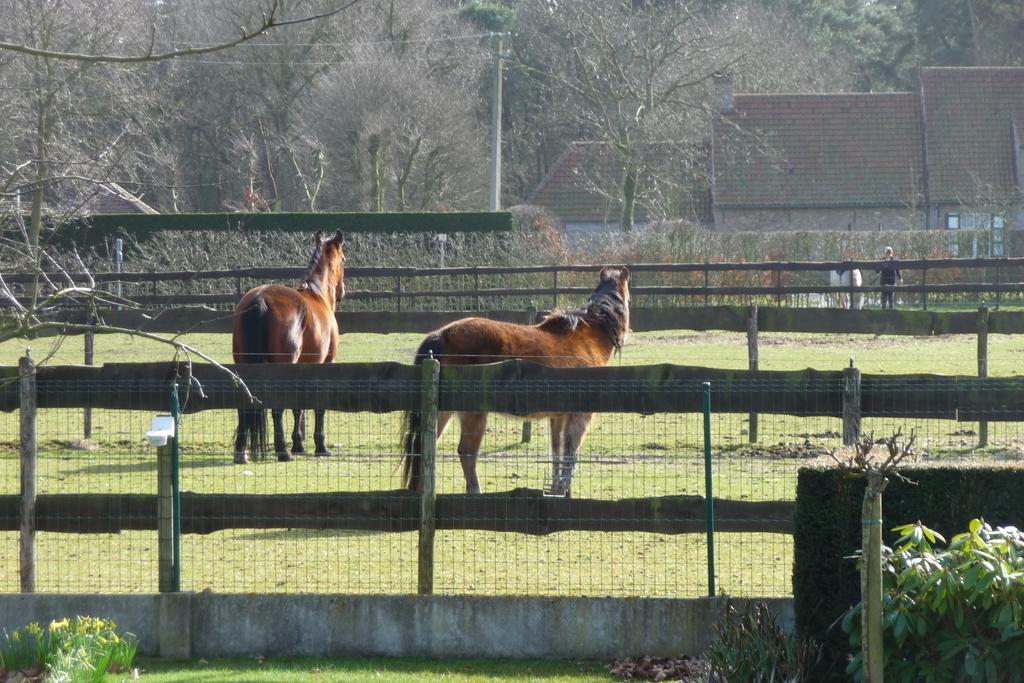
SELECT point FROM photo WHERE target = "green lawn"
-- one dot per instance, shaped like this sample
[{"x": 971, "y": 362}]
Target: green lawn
[
  {"x": 385, "y": 670},
  {"x": 624, "y": 456},
  {"x": 954, "y": 354}
]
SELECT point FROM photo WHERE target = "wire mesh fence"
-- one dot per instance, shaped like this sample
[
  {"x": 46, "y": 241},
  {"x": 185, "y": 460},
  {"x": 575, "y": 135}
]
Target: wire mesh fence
[{"x": 634, "y": 526}]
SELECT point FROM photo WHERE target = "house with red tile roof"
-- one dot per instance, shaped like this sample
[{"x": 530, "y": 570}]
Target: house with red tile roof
[
  {"x": 948, "y": 156},
  {"x": 973, "y": 148},
  {"x": 818, "y": 162}
]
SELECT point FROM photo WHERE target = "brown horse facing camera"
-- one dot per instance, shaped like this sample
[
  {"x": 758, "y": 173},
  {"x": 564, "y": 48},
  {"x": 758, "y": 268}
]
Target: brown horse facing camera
[
  {"x": 278, "y": 324},
  {"x": 582, "y": 337}
]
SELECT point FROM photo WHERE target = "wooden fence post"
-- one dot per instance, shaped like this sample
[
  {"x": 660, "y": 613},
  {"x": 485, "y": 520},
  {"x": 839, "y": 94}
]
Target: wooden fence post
[
  {"x": 851, "y": 405},
  {"x": 871, "y": 579},
  {"x": 849, "y": 303},
  {"x": 89, "y": 342},
  {"x": 924, "y": 283},
  {"x": 476, "y": 288},
  {"x": 554, "y": 291},
  {"x": 531, "y": 318},
  {"x": 982, "y": 366},
  {"x": 428, "y": 440},
  {"x": 27, "y": 419},
  {"x": 999, "y": 292},
  {"x": 752, "y": 361}
]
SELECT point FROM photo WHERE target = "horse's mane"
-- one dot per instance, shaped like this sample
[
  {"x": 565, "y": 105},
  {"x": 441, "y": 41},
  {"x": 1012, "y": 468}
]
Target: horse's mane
[
  {"x": 606, "y": 309},
  {"x": 311, "y": 280}
]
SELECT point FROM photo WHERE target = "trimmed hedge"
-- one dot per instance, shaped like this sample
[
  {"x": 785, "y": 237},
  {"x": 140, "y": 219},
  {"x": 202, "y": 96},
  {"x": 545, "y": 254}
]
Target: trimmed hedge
[{"x": 828, "y": 531}]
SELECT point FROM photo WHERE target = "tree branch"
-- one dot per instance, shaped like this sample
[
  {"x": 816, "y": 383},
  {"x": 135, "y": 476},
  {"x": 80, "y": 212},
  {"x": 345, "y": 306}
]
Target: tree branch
[{"x": 269, "y": 22}]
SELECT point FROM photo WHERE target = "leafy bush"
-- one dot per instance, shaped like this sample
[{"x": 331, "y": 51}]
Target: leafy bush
[
  {"x": 752, "y": 647},
  {"x": 83, "y": 649},
  {"x": 953, "y": 614}
]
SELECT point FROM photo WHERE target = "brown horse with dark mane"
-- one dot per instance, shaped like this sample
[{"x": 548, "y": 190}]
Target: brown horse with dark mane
[
  {"x": 582, "y": 337},
  {"x": 279, "y": 324}
]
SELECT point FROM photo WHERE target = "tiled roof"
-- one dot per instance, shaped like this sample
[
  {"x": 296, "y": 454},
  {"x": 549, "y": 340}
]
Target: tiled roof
[
  {"x": 112, "y": 198},
  {"x": 859, "y": 149},
  {"x": 583, "y": 184},
  {"x": 570, "y": 189},
  {"x": 969, "y": 114}
]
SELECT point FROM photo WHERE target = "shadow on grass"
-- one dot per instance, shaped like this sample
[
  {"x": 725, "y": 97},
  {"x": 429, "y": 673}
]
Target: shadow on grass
[
  {"x": 309, "y": 534},
  {"x": 148, "y": 466}
]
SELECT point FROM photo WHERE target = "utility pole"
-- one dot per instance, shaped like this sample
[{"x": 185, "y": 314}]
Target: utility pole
[{"x": 495, "y": 187}]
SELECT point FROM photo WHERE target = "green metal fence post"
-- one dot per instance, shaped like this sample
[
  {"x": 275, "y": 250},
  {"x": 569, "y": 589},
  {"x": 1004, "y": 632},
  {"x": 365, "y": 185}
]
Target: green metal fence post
[
  {"x": 176, "y": 489},
  {"x": 708, "y": 491},
  {"x": 169, "y": 507},
  {"x": 982, "y": 325}
]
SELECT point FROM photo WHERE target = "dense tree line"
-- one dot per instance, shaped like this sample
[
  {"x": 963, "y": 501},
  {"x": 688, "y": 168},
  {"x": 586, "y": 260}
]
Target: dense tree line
[{"x": 385, "y": 106}]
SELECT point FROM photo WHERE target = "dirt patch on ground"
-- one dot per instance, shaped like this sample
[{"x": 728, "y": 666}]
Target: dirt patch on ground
[
  {"x": 660, "y": 669},
  {"x": 777, "y": 451}
]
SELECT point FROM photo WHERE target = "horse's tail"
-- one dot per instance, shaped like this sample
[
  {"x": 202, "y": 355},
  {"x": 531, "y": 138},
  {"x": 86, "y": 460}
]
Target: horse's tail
[
  {"x": 252, "y": 422},
  {"x": 412, "y": 442}
]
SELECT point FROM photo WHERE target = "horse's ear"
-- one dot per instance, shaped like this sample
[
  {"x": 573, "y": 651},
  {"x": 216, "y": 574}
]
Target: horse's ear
[
  {"x": 623, "y": 274},
  {"x": 318, "y": 237},
  {"x": 339, "y": 237}
]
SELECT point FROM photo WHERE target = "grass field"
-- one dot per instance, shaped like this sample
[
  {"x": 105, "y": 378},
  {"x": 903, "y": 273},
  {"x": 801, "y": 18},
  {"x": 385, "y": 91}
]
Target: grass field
[
  {"x": 624, "y": 456},
  {"x": 370, "y": 669}
]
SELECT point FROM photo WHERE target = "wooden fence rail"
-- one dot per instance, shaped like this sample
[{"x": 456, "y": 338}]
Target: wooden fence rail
[
  {"x": 525, "y": 511},
  {"x": 518, "y": 388}
]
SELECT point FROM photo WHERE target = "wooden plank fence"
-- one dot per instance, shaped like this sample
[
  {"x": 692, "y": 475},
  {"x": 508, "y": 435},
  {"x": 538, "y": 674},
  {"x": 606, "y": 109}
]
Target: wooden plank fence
[
  {"x": 519, "y": 388},
  {"x": 724, "y": 318},
  {"x": 399, "y": 288},
  {"x": 514, "y": 386}
]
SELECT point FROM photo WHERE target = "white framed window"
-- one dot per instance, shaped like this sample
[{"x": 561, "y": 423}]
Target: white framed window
[
  {"x": 998, "y": 227},
  {"x": 967, "y": 221},
  {"x": 953, "y": 223}
]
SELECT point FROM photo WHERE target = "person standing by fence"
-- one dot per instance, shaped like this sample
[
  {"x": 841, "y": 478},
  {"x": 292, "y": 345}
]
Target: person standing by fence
[{"x": 889, "y": 275}]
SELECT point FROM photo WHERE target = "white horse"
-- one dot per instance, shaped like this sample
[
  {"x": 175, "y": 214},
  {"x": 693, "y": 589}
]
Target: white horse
[{"x": 842, "y": 278}]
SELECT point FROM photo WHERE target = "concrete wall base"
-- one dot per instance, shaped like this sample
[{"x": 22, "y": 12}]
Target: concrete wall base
[{"x": 181, "y": 625}]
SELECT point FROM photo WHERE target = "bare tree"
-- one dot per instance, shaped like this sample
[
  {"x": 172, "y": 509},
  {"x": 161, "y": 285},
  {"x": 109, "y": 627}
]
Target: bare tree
[
  {"x": 82, "y": 111},
  {"x": 398, "y": 118},
  {"x": 630, "y": 72},
  {"x": 634, "y": 75}
]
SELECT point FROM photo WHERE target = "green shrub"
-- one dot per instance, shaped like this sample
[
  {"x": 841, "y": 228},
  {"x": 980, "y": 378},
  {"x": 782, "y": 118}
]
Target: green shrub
[
  {"x": 828, "y": 531},
  {"x": 952, "y": 614},
  {"x": 751, "y": 647},
  {"x": 83, "y": 649}
]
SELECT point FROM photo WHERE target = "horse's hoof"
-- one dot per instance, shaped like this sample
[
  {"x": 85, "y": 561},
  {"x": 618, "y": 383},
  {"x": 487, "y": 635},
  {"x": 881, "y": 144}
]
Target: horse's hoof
[
  {"x": 284, "y": 457},
  {"x": 324, "y": 453},
  {"x": 298, "y": 451},
  {"x": 241, "y": 459}
]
